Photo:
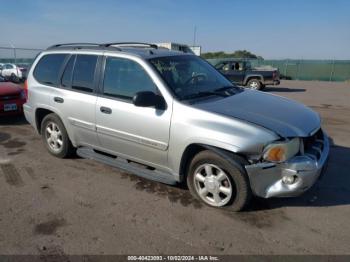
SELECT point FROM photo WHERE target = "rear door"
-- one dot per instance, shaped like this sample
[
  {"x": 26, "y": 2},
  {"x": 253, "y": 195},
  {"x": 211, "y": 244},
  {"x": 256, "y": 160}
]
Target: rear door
[
  {"x": 137, "y": 133},
  {"x": 75, "y": 99}
]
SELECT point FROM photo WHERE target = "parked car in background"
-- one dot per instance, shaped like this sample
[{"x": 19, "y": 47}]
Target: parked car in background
[
  {"x": 242, "y": 73},
  {"x": 12, "y": 72},
  {"x": 24, "y": 70},
  {"x": 1, "y": 67},
  {"x": 171, "y": 117},
  {"x": 12, "y": 98}
]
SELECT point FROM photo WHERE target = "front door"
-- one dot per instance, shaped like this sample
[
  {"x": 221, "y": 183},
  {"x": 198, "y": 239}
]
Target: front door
[
  {"x": 137, "y": 133},
  {"x": 234, "y": 72}
]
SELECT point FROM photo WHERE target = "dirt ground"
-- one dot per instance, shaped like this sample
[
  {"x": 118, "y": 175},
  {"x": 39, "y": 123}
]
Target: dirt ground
[{"x": 78, "y": 206}]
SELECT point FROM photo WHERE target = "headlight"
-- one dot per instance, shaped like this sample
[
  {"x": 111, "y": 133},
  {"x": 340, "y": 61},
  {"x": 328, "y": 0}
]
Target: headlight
[{"x": 281, "y": 151}]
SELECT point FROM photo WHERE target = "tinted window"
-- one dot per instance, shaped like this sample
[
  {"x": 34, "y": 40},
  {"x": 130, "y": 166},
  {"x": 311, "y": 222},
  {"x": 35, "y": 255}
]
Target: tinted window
[
  {"x": 84, "y": 72},
  {"x": 68, "y": 71},
  {"x": 124, "y": 78},
  {"x": 48, "y": 68}
]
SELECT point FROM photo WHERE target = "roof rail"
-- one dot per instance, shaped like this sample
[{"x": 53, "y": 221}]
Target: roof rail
[
  {"x": 130, "y": 44},
  {"x": 79, "y": 45},
  {"x": 73, "y": 44}
]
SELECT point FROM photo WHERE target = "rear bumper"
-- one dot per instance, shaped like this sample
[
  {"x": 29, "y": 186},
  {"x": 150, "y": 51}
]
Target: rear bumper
[
  {"x": 28, "y": 114},
  {"x": 266, "y": 178},
  {"x": 18, "y": 102}
]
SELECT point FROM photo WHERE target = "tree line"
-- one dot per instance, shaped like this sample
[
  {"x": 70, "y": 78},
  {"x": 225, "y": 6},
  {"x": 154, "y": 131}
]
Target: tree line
[{"x": 235, "y": 54}]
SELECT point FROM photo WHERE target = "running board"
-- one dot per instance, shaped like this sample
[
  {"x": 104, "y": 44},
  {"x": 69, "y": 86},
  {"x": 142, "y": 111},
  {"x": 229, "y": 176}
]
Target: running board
[{"x": 156, "y": 175}]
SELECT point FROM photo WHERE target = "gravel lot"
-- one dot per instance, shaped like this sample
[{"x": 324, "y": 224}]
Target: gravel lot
[{"x": 78, "y": 206}]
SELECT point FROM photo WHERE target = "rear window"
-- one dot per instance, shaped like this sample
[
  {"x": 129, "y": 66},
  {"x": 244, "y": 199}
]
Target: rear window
[{"x": 48, "y": 69}]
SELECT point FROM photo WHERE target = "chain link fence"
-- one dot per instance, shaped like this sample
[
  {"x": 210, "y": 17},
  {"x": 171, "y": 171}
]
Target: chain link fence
[
  {"x": 16, "y": 55},
  {"x": 322, "y": 70}
]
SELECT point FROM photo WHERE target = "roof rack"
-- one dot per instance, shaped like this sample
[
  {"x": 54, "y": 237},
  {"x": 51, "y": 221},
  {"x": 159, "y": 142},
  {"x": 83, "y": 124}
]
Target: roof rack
[
  {"x": 79, "y": 45},
  {"x": 130, "y": 44},
  {"x": 73, "y": 44}
]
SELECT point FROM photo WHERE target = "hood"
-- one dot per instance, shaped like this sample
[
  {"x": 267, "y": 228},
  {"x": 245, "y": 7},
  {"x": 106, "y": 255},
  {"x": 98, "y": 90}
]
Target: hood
[
  {"x": 8, "y": 88},
  {"x": 285, "y": 117}
]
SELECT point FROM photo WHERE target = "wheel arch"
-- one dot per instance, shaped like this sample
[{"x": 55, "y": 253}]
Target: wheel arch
[
  {"x": 40, "y": 114},
  {"x": 191, "y": 150},
  {"x": 249, "y": 77},
  {"x": 43, "y": 111}
]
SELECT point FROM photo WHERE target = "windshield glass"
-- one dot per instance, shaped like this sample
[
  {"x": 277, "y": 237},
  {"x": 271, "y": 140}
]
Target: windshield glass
[{"x": 188, "y": 76}]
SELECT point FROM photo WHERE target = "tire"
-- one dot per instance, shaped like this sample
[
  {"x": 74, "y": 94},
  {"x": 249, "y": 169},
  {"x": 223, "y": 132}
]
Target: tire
[
  {"x": 254, "y": 84},
  {"x": 14, "y": 78},
  {"x": 58, "y": 142},
  {"x": 232, "y": 186}
]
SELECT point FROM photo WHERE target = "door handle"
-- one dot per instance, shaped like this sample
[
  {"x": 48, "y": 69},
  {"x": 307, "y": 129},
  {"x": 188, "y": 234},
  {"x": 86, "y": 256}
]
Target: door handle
[
  {"x": 105, "y": 110},
  {"x": 58, "y": 99}
]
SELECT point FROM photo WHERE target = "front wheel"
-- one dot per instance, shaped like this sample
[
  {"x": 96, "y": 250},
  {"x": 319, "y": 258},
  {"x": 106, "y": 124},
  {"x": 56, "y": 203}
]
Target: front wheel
[
  {"x": 217, "y": 182},
  {"x": 254, "y": 84},
  {"x": 55, "y": 136},
  {"x": 14, "y": 78}
]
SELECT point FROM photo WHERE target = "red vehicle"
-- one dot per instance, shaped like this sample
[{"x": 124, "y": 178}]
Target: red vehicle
[{"x": 12, "y": 98}]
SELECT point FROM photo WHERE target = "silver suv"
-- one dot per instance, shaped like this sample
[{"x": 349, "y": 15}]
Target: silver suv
[{"x": 171, "y": 117}]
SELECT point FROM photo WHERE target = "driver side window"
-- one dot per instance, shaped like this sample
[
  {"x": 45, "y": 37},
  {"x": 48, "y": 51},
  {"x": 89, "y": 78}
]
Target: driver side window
[{"x": 123, "y": 78}]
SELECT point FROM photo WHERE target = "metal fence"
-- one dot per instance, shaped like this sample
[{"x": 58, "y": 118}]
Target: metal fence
[
  {"x": 323, "y": 70},
  {"x": 18, "y": 55}
]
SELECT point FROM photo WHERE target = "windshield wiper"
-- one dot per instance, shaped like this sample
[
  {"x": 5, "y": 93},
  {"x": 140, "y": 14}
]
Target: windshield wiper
[
  {"x": 205, "y": 93},
  {"x": 224, "y": 88}
]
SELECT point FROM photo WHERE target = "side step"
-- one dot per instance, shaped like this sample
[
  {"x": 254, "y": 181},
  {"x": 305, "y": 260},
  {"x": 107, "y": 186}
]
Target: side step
[{"x": 156, "y": 175}]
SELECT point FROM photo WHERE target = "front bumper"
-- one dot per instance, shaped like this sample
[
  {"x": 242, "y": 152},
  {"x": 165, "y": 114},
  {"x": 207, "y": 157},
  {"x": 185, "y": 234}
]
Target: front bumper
[
  {"x": 19, "y": 103},
  {"x": 266, "y": 178}
]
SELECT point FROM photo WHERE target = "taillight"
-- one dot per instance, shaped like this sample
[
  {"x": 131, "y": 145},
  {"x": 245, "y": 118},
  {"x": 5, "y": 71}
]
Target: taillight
[{"x": 26, "y": 89}]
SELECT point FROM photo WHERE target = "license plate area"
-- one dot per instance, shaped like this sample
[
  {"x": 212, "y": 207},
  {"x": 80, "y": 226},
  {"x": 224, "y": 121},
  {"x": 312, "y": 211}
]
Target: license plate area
[{"x": 10, "y": 107}]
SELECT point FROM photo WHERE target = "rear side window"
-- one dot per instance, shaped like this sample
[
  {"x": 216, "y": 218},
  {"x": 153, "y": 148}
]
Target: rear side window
[
  {"x": 84, "y": 72},
  {"x": 124, "y": 78},
  {"x": 48, "y": 69}
]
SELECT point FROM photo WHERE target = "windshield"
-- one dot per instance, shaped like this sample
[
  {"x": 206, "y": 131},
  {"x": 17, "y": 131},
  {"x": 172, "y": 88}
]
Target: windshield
[{"x": 190, "y": 76}]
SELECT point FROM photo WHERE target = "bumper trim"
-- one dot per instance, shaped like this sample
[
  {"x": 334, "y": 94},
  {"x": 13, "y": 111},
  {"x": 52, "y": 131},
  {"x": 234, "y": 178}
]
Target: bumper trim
[{"x": 266, "y": 178}]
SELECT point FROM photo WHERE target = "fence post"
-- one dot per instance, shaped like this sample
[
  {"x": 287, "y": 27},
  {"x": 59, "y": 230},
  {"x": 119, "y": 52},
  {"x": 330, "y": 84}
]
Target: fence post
[
  {"x": 285, "y": 68},
  {"x": 332, "y": 72},
  {"x": 297, "y": 75}
]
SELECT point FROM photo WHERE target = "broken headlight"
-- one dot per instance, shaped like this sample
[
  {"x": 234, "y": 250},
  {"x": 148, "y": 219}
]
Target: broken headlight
[{"x": 282, "y": 150}]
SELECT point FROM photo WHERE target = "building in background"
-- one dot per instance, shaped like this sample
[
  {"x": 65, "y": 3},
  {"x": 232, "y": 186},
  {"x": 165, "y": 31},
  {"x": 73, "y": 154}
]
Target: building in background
[{"x": 196, "y": 50}]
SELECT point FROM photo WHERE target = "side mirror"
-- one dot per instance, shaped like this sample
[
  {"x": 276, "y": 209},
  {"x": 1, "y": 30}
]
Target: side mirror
[{"x": 149, "y": 99}]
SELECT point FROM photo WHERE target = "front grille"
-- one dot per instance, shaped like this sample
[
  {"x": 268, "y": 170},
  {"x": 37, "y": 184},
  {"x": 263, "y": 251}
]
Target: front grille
[
  {"x": 9, "y": 97},
  {"x": 313, "y": 145}
]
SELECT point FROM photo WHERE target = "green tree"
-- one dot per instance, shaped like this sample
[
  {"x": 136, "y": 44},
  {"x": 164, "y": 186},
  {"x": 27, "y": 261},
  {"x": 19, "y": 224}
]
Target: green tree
[{"x": 236, "y": 54}]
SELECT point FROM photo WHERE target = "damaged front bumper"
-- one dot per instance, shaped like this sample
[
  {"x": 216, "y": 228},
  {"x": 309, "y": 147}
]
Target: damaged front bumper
[{"x": 268, "y": 179}]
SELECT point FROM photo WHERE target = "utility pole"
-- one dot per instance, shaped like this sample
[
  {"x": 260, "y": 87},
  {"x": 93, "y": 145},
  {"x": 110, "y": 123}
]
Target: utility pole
[
  {"x": 14, "y": 53},
  {"x": 194, "y": 35}
]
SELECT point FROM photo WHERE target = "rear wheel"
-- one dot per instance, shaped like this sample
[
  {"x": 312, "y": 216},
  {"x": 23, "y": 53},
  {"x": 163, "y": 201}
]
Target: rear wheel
[
  {"x": 218, "y": 183},
  {"x": 55, "y": 136},
  {"x": 254, "y": 84}
]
